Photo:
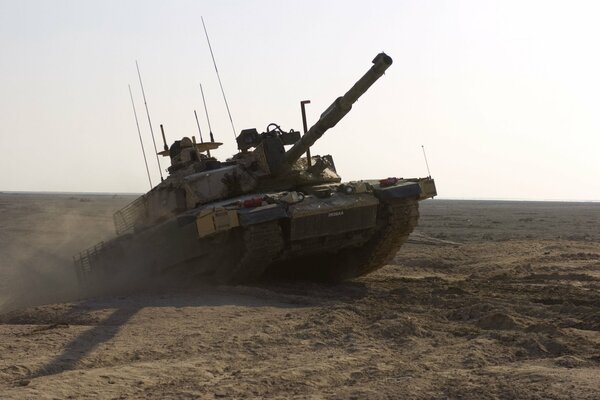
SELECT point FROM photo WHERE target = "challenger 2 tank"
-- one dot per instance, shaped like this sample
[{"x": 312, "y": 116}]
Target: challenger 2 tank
[{"x": 264, "y": 210}]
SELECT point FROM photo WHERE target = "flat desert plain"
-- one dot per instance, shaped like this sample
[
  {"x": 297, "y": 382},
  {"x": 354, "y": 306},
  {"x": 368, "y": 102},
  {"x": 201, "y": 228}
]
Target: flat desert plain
[{"x": 488, "y": 300}]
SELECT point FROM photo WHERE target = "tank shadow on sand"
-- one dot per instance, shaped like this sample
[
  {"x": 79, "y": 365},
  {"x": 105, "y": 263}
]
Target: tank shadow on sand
[
  {"x": 84, "y": 344},
  {"x": 124, "y": 307}
]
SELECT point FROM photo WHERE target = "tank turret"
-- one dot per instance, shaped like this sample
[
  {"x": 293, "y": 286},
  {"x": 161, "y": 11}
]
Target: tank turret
[
  {"x": 269, "y": 146},
  {"x": 337, "y": 110}
]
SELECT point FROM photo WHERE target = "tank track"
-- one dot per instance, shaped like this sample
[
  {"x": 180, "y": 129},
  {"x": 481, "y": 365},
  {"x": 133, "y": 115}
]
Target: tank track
[
  {"x": 395, "y": 223},
  {"x": 261, "y": 244},
  {"x": 402, "y": 218}
]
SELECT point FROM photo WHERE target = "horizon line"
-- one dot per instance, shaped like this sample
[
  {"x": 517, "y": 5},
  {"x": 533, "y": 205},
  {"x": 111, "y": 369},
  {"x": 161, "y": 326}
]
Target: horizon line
[{"x": 508, "y": 199}]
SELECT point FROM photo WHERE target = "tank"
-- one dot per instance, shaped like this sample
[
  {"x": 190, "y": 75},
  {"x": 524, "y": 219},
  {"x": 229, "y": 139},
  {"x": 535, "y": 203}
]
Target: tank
[{"x": 266, "y": 210}]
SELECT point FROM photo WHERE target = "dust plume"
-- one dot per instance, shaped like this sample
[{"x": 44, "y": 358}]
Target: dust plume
[{"x": 38, "y": 238}]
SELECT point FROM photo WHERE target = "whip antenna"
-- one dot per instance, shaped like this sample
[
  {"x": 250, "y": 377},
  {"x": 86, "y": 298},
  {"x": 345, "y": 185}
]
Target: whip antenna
[
  {"x": 218, "y": 77},
  {"x": 426, "y": 163},
  {"x": 200, "y": 131},
  {"x": 212, "y": 139},
  {"x": 140, "y": 135},
  {"x": 198, "y": 123},
  {"x": 149, "y": 121}
]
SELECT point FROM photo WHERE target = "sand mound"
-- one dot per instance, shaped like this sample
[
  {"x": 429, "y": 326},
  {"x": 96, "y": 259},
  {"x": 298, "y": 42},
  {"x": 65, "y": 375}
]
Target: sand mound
[{"x": 498, "y": 321}]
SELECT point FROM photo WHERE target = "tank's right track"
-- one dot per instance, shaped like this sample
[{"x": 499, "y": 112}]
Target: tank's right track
[
  {"x": 261, "y": 244},
  {"x": 396, "y": 221}
]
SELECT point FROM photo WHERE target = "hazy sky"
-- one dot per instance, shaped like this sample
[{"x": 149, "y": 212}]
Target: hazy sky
[{"x": 504, "y": 95}]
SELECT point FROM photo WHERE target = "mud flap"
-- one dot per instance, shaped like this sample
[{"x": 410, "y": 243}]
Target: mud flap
[{"x": 399, "y": 191}]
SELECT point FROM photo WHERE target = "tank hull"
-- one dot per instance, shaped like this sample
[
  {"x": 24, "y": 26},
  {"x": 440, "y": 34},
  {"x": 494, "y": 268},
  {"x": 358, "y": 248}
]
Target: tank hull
[{"x": 332, "y": 233}]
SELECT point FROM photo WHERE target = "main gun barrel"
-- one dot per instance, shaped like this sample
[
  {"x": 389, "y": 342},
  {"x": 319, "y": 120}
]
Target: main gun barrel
[{"x": 338, "y": 109}]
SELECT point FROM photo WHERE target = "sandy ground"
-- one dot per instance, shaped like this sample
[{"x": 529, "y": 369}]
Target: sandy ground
[{"x": 488, "y": 300}]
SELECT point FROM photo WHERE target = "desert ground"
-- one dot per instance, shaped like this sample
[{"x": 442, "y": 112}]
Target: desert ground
[{"x": 488, "y": 300}]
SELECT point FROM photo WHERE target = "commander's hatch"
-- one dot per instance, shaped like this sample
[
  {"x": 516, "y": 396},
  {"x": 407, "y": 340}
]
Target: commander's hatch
[{"x": 201, "y": 147}]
